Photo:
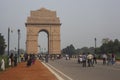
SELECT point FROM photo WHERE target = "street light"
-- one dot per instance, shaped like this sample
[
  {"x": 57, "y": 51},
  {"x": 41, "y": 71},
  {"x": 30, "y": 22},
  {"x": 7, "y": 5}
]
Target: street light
[
  {"x": 18, "y": 43},
  {"x": 8, "y": 39},
  {"x": 15, "y": 50},
  {"x": 95, "y": 45}
]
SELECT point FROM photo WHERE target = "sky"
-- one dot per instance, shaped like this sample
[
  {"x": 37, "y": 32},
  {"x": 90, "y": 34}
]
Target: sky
[{"x": 82, "y": 20}]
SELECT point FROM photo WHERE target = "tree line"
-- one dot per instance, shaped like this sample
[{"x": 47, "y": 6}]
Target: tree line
[
  {"x": 108, "y": 46},
  {"x": 2, "y": 44}
]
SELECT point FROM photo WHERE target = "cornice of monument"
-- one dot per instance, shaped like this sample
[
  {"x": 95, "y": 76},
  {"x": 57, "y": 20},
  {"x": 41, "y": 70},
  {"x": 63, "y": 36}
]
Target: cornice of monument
[
  {"x": 43, "y": 12},
  {"x": 42, "y": 24},
  {"x": 44, "y": 9},
  {"x": 43, "y": 16}
]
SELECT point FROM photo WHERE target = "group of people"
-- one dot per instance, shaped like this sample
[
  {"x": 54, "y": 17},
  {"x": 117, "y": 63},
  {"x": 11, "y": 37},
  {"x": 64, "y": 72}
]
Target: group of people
[
  {"x": 30, "y": 59},
  {"x": 89, "y": 59},
  {"x": 108, "y": 59},
  {"x": 67, "y": 57},
  {"x": 13, "y": 60}
]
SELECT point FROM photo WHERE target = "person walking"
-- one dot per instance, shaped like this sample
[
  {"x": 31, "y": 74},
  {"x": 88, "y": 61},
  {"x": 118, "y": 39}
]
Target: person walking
[
  {"x": 67, "y": 57},
  {"x": 46, "y": 58},
  {"x": 113, "y": 58},
  {"x": 22, "y": 57},
  {"x": 90, "y": 58},
  {"x": 80, "y": 59},
  {"x": 84, "y": 59},
  {"x": 9, "y": 62},
  {"x": 109, "y": 59},
  {"x": 12, "y": 59},
  {"x": 15, "y": 60},
  {"x": 94, "y": 59},
  {"x": 3, "y": 64},
  {"x": 104, "y": 56}
]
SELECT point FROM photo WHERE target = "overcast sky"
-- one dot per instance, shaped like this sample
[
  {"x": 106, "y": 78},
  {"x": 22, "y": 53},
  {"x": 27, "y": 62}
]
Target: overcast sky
[{"x": 82, "y": 20}]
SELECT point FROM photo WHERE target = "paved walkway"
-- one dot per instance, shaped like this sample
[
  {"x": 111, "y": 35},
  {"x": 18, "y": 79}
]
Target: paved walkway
[{"x": 22, "y": 72}]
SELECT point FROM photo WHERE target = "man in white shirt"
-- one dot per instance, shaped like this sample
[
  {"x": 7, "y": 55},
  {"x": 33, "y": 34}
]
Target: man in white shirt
[{"x": 90, "y": 58}]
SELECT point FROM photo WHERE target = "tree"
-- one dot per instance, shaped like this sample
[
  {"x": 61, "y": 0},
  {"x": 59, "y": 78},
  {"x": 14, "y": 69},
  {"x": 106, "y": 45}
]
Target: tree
[
  {"x": 110, "y": 46},
  {"x": 116, "y": 45},
  {"x": 2, "y": 44},
  {"x": 84, "y": 50},
  {"x": 70, "y": 50}
]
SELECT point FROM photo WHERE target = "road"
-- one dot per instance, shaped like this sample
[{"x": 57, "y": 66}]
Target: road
[{"x": 71, "y": 70}]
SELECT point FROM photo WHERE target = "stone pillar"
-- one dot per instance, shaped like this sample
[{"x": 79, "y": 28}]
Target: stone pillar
[{"x": 32, "y": 41}]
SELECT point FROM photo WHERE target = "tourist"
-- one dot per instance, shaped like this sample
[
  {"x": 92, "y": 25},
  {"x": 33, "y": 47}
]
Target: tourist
[
  {"x": 104, "y": 56},
  {"x": 46, "y": 58},
  {"x": 84, "y": 59},
  {"x": 80, "y": 59},
  {"x": 33, "y": 59},
  {"x": 113, "y": 58},
  {"x": 67, "y": 57},
  {"x": 9, "y": 61},
  {"x": 15, "y": 60},
  {"x": 26, "y": 57},
  {"x": 29, "y": 61},
  {"x": 90, "y": 58},
  {"x": 22, "y": 57},
  {"x": 12, "y": 59},
  {"x": 109, "y": 59},
  {"x": 94, "y": 58},
  {"x": 3, "y": 64}
]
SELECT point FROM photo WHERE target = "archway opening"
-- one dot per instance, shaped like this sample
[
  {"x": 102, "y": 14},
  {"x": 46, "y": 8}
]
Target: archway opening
[{"x": 43, "y": 42}]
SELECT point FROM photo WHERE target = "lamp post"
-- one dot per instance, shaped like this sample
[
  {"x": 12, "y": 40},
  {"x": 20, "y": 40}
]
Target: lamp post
[
  {"x": 8, "y": 40},
  {"x": 95, "y": 45},
  {"x": 18, "y": 43},
  {"x": 15, "y": 50}
]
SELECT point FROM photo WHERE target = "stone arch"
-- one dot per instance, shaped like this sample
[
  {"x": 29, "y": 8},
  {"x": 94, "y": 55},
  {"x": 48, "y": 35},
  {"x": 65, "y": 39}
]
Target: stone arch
[
  {"x": 43, "y": 20},
  {"x": 42, "y": 50}
]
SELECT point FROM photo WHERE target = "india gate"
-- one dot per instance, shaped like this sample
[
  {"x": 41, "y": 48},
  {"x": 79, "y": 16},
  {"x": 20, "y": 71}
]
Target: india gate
[{"x": 47, "y": 21}]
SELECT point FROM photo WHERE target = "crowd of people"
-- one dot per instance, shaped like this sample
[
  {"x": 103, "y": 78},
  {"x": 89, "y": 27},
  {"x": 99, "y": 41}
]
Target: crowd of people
[
  {"x": 108, "y": 59},
  {"x": 46, "y": 57},
  {"x": 84, "y": 59},
  {"x": 13, "y": 60},
  {"x": 88, "y": 59},
  {"x": 91, "y": 59}
]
